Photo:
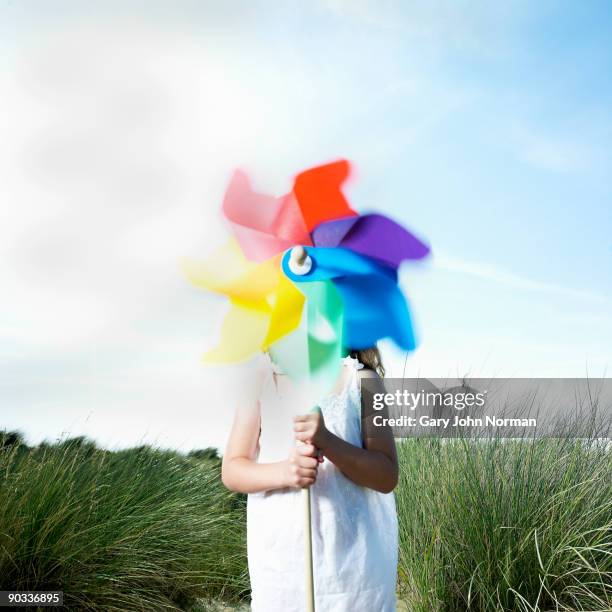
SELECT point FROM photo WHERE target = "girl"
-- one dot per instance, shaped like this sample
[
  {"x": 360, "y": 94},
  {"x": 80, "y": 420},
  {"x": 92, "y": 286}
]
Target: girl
[{"x": 354, "y": 523}]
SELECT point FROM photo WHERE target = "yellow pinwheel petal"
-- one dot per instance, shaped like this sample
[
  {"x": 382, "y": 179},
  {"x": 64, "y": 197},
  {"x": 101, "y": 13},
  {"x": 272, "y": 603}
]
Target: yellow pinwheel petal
[
  {"x": 242, "y": 333},
  {"x": 227, "y": 271},
  {"x": 287, "y": 307},
  {"x": 265, "y": 304}
]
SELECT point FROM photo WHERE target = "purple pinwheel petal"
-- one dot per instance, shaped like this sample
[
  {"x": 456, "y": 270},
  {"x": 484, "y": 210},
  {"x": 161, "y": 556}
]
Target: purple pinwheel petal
[
  {"x": 379, "y": 237},
  {"x": 331, "y": 233}
]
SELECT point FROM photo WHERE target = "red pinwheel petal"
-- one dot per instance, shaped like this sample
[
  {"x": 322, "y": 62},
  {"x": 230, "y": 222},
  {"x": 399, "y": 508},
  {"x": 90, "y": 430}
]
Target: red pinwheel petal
[{"x": 318, "y": 192}]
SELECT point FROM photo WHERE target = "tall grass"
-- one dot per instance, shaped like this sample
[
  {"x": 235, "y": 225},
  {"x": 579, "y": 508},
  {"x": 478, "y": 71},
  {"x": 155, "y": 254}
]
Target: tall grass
[
  {"x": 505, "y": 525},
  {"x": 484, "y": 525},
  {"x": 140, "y": 529}
]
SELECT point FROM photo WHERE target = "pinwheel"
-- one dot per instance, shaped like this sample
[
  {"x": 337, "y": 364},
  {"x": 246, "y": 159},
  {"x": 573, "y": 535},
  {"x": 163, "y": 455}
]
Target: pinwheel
[
  {"x": 307, "y": 279},
  {"x": 341, "y": 292}
]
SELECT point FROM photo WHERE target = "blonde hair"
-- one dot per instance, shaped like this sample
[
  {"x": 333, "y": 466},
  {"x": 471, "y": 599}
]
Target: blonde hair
[{"x": 370, "y": 358}]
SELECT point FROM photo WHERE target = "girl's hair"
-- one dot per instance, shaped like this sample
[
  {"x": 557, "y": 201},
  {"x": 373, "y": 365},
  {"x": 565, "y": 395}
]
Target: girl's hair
[{"x": 370, "y": 358}]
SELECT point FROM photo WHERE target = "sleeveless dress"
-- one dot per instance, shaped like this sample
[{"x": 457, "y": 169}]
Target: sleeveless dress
[{"x": 354, "y": 529}]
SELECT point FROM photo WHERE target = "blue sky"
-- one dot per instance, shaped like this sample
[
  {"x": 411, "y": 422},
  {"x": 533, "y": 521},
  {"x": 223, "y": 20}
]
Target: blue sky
[{"x": 483, "y": 127}]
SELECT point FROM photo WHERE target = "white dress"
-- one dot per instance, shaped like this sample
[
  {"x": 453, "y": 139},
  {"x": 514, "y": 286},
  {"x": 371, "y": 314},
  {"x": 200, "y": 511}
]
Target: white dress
[{"x": 354, "y": 529}]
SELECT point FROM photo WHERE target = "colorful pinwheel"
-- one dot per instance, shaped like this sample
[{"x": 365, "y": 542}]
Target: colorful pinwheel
[{"x": 342, "y": 293}]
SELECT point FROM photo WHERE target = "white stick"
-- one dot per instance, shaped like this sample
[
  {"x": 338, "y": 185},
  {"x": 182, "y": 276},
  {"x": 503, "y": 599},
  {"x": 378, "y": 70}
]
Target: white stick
[{"x": 310, "y": 603}]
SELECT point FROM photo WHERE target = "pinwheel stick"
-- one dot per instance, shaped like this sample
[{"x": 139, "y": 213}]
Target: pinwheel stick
[
  {"x": 300, "y": 263},
  {"x": 310, "y": 605}
]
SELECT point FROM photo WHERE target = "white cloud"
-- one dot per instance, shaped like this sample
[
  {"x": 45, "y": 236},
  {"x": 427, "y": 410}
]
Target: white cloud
[
  {"x": 556, "y": 153},
  {"x": 118, "y": 139},
  {"x": 571, "y": 143},
  {"x": 446, "y": 24},
  {"x": 496, "y": 274}
]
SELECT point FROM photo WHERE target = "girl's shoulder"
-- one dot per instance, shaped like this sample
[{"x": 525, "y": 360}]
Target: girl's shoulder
[
  {"x": 352, "y": 362},
  {"x": 368, "y": 373},
  {"x": 375, "y": 382}
]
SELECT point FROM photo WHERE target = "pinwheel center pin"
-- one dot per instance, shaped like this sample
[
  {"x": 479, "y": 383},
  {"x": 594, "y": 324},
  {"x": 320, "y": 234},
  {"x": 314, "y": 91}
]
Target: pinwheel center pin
[{"x": 300, "y": 263}]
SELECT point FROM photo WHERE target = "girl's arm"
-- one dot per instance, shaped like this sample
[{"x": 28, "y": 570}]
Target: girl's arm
[
  {"x": 240, "y": 471},
  {"x": 374, "y": 466}
]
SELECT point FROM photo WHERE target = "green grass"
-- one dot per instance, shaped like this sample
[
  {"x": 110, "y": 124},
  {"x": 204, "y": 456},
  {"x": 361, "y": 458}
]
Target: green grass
[
  {"x": 484, "y": 526},
  {"x": 505, "y": 525},
  {"x": 140, "y": 529}
]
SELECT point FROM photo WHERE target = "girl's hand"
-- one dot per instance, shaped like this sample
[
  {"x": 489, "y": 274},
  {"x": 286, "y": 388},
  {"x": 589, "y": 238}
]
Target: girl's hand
[
  {"x": 310, "y": 428},
  {"x": 301, "y": 467}
]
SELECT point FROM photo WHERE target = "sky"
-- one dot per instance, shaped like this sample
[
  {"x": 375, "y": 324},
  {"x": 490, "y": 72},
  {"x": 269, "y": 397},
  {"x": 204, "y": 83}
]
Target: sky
[{"x": 483, "y": 127}]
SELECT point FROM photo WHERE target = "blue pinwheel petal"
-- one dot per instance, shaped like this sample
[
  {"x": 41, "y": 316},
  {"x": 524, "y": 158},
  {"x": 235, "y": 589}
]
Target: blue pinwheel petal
[{"x": 374, "y": 305}]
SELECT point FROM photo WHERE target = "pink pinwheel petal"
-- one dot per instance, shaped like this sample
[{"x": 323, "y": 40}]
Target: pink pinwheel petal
[{"x": 263, "y": 225}]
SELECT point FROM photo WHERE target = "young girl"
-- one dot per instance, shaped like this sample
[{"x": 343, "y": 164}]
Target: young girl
[{"x": 271, "y": 455}]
